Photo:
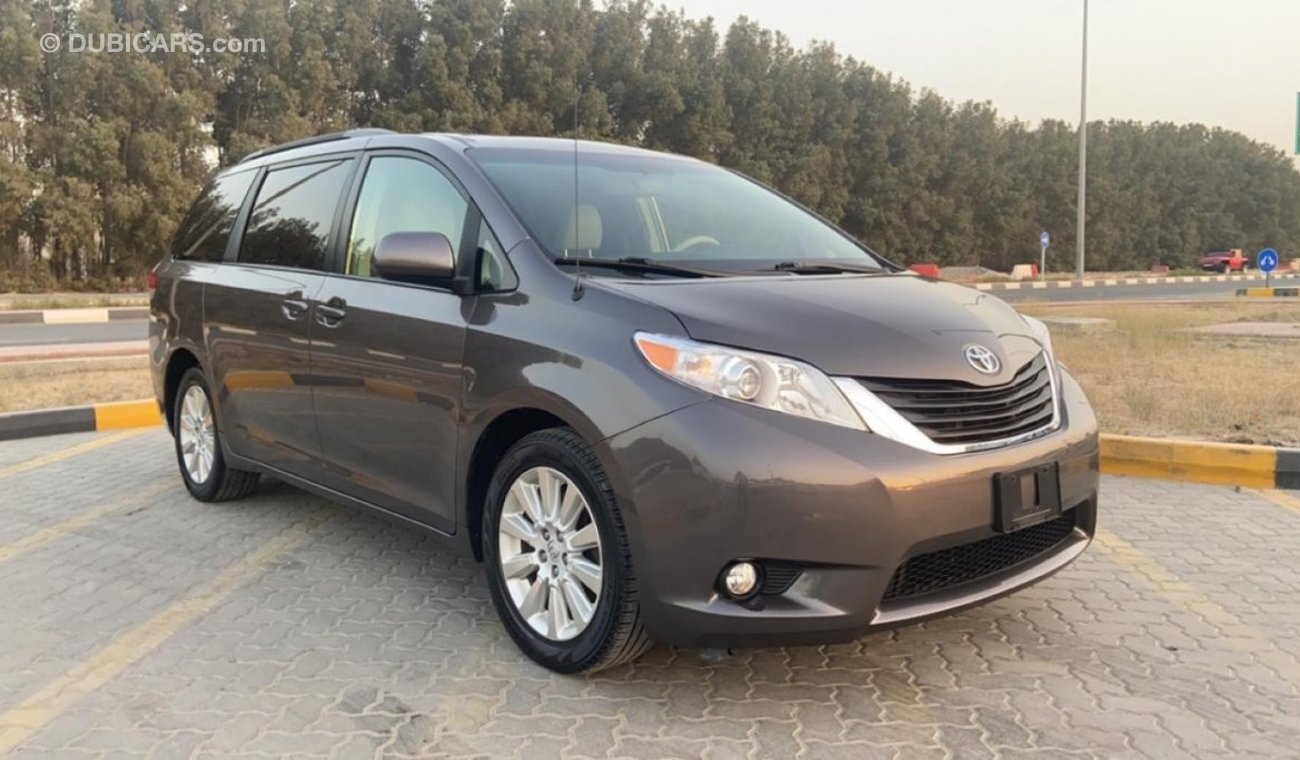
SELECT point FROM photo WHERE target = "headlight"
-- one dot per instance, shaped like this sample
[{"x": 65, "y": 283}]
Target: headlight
[
  {"x": 1043, "y": 337},
  {"x": 770, "y": 382},
  {"x": 1041, "y": 334}
]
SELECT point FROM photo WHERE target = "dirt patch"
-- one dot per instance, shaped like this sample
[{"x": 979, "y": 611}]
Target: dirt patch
[
  {"x": 10, "y": 301},
  {"x": 1153, "y": 375},
  {"x": 1260, "y": 330},
  {"x": 42, "y": 385}
]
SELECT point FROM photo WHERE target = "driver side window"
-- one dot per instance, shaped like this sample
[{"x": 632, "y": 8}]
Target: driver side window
[{"x": 402, "y": 194}]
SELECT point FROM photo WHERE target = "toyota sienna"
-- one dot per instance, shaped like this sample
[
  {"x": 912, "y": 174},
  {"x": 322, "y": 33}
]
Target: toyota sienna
[{"x": 658, "y": 400}]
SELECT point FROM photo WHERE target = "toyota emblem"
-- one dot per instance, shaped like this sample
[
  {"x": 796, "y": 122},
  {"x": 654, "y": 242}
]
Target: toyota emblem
[{"x": 982, "y": 360}]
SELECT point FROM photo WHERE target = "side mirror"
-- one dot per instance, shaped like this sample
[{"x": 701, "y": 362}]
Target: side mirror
[{"x": 415, "y": 256}]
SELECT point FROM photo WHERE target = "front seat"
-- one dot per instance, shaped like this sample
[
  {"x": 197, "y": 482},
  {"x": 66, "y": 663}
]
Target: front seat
[{"x": 583, "y": 234}]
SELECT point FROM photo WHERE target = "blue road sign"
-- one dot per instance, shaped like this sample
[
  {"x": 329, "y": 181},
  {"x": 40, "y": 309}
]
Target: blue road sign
[
  {"x": 1266, "y": 260},
  {"x": 1045, "y": 239}
]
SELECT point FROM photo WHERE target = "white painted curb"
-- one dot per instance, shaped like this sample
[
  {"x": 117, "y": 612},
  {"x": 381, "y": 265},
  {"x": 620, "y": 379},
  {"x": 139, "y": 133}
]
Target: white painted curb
[{"x": 1040, "y": 284}]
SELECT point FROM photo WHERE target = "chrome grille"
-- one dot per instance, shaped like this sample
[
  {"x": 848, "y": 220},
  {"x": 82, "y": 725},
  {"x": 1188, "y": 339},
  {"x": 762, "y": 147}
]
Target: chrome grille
[{"x": 954, "y": 412}]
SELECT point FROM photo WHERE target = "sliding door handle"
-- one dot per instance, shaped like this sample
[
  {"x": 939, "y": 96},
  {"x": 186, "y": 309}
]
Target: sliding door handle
[
  {"x": 293, "y": 308},
  {"x": 331, "y": 312}
]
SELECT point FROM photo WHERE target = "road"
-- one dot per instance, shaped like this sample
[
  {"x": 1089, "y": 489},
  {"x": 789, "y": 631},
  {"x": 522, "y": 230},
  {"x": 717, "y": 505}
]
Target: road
[
  {"x": 138, "y": 622},
  {"x": 35, "y": 335}
]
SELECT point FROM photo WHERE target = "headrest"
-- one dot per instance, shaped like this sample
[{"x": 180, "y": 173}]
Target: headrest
[{"x": 588, "y": 233}]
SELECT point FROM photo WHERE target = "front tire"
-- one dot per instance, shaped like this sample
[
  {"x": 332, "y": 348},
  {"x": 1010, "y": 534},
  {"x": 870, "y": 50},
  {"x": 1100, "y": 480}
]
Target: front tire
[
  {"x": 558, "y": 563},
  {"x": 198, "y": 444}
]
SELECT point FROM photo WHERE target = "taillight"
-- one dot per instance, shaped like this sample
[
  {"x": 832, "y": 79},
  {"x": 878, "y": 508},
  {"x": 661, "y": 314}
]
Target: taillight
[{"x": 153, "y": 279}]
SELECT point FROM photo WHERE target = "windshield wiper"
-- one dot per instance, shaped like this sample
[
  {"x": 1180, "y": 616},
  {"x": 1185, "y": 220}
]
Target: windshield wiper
[
  {"x": 815, "y": 267},
  {"x": 639, "y": 264}
]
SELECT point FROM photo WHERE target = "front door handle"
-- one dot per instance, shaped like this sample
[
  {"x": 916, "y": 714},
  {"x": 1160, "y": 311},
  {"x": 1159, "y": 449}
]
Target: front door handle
[
  {"x": 331, "y": 312},
  {"x": 293, "y": 307}
]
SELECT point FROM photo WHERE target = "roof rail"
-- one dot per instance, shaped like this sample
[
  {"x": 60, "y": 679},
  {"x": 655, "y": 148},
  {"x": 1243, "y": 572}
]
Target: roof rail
[{"x": 304, "y": 142}]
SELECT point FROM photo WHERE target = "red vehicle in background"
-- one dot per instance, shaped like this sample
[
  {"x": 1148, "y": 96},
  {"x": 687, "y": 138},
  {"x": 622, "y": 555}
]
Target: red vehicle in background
[{"x": 1225, "y": 261}]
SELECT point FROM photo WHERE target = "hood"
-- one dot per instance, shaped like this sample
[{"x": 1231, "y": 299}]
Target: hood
[{"x": 892, "y": 326}]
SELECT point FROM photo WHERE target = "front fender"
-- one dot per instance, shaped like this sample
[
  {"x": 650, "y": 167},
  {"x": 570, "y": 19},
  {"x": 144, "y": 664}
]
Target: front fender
[{"x": 574, "y": 360}]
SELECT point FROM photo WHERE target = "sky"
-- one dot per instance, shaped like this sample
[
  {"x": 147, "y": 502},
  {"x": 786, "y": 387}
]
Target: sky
[{"x": 1227, "y": 63}]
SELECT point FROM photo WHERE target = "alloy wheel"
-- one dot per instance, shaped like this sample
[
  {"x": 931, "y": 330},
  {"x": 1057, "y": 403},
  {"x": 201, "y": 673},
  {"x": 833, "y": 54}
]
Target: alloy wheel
[
  {"x": 550, "y": 553},
  {"x": 198, "y": 434}
]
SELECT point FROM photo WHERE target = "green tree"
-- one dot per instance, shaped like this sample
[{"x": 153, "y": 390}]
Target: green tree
[{"x": 19, "y": 68}]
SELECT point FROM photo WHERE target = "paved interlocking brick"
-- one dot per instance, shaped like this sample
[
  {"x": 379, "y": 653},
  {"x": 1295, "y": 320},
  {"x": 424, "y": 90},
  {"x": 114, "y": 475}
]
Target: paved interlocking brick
[{"x": 1178, "y": 634}]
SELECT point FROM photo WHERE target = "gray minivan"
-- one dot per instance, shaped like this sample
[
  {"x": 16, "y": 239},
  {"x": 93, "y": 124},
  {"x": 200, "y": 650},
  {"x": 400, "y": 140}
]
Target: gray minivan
[{"x": 656, "y": 399}]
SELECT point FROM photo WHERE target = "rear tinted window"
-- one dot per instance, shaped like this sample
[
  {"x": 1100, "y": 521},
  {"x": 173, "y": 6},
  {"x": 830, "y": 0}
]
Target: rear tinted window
[
  {"x": 206, "y": 229},
  {"x": 291, "y": 217}
]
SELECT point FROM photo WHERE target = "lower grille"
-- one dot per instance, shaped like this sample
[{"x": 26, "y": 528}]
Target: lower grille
[
  {"x": 953, "y": 412},
  {"x": 951, "y": 567},
  {"x": 778, "y": 577}
]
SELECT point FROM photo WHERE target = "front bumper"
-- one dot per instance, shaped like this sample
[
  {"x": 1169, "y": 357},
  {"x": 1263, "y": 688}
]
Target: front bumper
[{"x": 721, "y": 481}]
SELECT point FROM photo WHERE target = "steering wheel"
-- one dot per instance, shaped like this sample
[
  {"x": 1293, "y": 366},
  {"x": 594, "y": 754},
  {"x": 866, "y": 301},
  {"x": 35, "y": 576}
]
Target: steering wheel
[{"x": 691, "y": 242}]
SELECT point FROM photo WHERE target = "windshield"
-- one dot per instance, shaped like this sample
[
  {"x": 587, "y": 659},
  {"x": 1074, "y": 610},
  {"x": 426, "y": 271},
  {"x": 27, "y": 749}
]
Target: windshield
[{"x": 659, "y": 208}]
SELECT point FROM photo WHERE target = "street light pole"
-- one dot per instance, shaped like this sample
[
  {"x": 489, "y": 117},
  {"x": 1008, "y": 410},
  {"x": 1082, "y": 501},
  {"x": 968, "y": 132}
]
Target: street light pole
[{"x": 1083, "y": 150}]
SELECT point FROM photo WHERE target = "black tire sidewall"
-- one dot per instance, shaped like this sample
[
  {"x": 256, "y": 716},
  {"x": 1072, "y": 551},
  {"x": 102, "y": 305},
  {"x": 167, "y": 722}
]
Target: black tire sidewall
[
  {"x": 585, "y": 649},
  {"x": 207, "y": 490}
]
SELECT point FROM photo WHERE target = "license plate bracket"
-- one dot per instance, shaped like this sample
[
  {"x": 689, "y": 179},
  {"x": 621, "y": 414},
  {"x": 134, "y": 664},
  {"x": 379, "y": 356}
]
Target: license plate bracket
[{"x": 1026, "y": 497}]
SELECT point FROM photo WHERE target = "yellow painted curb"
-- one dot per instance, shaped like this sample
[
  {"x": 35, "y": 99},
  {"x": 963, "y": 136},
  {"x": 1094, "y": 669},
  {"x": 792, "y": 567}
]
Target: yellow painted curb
[
  {"x": 1199, "y": 461},
  {"x": 127, "y": 414},
  {"x": 1283, "y": 292}
]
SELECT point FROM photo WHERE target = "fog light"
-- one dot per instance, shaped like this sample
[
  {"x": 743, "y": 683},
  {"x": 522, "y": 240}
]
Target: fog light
[{"x": 741, "y": 579}]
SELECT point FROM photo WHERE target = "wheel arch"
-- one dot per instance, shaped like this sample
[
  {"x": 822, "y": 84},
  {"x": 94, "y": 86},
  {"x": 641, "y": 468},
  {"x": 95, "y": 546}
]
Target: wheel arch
[
  {"x": 180, "y": 362},
  {"x": 490, "y": 445}
]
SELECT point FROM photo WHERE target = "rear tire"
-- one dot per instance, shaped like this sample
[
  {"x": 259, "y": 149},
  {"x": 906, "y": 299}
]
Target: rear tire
[
  {"x": 564, "y": 547},
  {"x": 198, "y": 444}
]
